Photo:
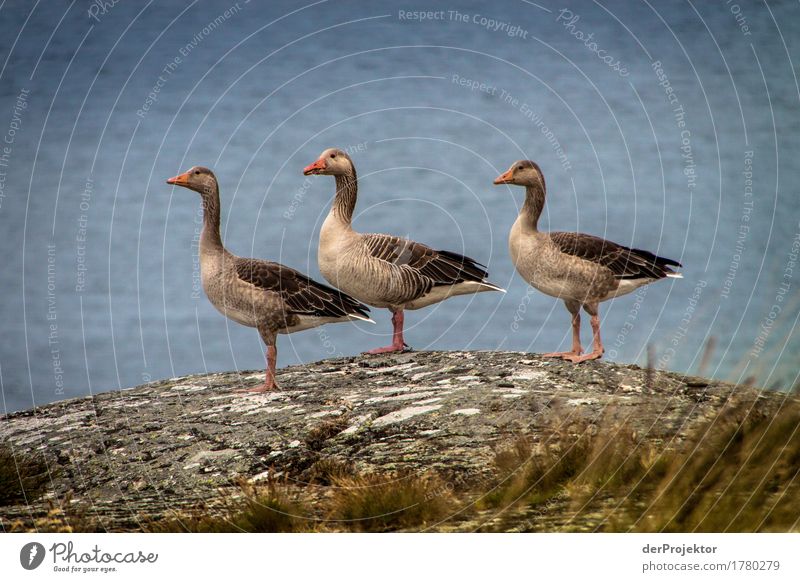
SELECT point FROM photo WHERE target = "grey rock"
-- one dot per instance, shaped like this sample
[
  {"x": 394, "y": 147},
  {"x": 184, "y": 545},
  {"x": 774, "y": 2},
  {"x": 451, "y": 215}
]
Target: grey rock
[{"x": 132, "y": 456}]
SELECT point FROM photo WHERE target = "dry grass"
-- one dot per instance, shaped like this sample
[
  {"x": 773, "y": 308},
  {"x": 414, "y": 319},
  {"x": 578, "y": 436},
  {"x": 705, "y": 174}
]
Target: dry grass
[
  {"x": 374, "y": 503},
  {"x": 528, "y": 478},
  {"x": 63, "y": 517},
  {"x": 580, "y": 458},
  {"x": 261, "y": 509},
  {"x": 316, "y": 437},
  {"x": 740, "y": 472},
  {"x": 358, "y": 503},
  {"x": 328, "y": 470}
]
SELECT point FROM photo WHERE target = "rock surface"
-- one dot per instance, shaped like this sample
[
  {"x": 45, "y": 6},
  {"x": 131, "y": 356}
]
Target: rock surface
[{"x": 133, "y": 456}]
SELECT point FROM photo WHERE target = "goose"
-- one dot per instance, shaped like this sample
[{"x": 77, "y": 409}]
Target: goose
[
  {"x": 382, "y": 270},
  {"x": 581, "y": 269},
  {"x": 268, "y": 296}
]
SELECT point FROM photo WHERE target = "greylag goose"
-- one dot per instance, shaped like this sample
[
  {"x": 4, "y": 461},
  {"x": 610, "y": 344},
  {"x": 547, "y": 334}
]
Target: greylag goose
[
  {"x": 581, "y": 269},
  {"x": 384, "y": 270},
  {"x": 268, "y": 296}
]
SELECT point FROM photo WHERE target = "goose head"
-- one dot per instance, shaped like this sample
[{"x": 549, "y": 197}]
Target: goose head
[
  {"x": 331, "y": 162},
  {"x": 522, "y": 173},
  {"x": 198, "y": 178}
]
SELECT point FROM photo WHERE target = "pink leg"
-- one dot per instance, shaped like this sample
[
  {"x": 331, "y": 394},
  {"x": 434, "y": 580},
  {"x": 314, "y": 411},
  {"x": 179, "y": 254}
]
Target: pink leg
[
  {"x": 269, "y": 380},
  {"x": 398, "y": 345},
  {"x": 597, "y": 347},
  {"x": 576, "y": 338}
]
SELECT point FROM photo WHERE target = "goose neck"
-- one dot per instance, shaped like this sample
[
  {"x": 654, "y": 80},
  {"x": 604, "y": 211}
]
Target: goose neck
[
  {"x": 346, "y": 192},
  {"x": 210, "y": 237},
  {"x": 533, "y": 206}
]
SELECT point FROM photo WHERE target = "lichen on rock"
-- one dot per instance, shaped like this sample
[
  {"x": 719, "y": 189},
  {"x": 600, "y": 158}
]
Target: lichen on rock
[{"x": 135, "y": 456}]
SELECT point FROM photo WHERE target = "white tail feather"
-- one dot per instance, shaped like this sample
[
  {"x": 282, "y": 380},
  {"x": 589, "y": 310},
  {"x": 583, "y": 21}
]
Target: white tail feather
[
  {"x": 361, "y": 317},
  {"x": 675, "y": 275},
  {"x": 493, "y": 287}
]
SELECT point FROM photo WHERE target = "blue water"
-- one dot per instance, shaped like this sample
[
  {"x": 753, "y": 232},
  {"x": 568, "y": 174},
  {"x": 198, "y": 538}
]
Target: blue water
[{"x": 99, "y": 287}]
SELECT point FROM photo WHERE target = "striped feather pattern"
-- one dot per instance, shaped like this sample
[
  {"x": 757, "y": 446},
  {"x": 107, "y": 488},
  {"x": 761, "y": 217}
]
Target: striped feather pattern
[
  {"x": 301, "y": 294},
  {"x": 441, "y": 267},
  {"x": 623, "y": 262}
]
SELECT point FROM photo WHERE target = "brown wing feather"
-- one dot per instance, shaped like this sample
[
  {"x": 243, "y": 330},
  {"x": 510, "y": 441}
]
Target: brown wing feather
[
  {"x": 441, "y": 267},
  {"x": 624, "y": 262},
  {"x": 300, "y": 293}
]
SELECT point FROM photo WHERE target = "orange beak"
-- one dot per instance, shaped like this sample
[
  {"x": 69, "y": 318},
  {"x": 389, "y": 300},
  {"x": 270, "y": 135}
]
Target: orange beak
[
  {"x": 315, "y": 168},
  {"x": 504, "y": 178},
  {"x": 181, "y": 180}
]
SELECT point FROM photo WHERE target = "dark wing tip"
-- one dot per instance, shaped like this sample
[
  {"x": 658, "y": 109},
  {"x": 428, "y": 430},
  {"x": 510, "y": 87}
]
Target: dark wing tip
[
  {"x": 340, "y": 303},
  {"x": 468, "y": 269},
  {"x": 301, "y": 294},
  {"x": 670, "y": 262}
]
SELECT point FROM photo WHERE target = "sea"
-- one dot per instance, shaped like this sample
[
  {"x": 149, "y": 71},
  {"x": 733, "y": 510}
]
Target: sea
[{"x": 667, "y": 126}]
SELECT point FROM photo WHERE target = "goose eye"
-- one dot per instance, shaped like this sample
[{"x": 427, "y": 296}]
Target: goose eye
[
  {"x": 197, "y": 172},
  {"x": 333, "y": 155},
  {"x": 519, "y": 167}
]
